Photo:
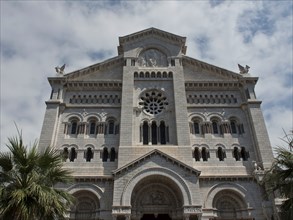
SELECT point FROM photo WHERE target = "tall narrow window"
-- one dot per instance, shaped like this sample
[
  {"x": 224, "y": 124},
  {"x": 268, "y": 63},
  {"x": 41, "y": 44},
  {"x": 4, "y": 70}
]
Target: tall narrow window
[
  {"x": 105, "y": 154},
  {"x": 111, "y": 127},
  {"x": 74, "y": 127},
  {"x": 92, "y": 127},
  {"x": 196, "y": 127},
  {"x": 244, "y": 154},
  {"x": 89, "y": 154},
  {"x": 172, "y": 62},
  {"x": 236, "y": 154},
  {"x": 221, "y": 154},
  {"x": 72, "y": 155},
  {"x": 196, "y": 154},
  {"x": 215, "y": 127},
  {"x": 117, "y": 129},
  {"x": 204, "y": 154},
  {"x": 112, "y": 154},
  {"x": 163, "y": 132},
  {"x": 233, "y": 127},
  {"x": 145, "y": 131},
  {"x": 154, "y": 133}
]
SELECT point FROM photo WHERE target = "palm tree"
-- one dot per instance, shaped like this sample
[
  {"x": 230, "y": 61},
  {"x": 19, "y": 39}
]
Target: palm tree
[
  {"x": 279, "y": 178},
  {"x": 27, "y": 179}
]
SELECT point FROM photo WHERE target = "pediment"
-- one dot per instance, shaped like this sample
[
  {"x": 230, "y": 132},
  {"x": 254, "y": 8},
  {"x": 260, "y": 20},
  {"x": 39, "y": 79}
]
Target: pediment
[
  {"x": 152, "y": 38},
  {"x": 196, "y": 70},
  {"x": 152, "y": 155},
  {"x": 109, "y": 69}
]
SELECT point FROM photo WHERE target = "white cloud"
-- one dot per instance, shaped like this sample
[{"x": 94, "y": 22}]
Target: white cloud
[{"x": 37, "y": 36}]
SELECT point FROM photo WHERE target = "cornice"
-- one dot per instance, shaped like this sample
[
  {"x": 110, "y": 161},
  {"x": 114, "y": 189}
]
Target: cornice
[
  {"x": 206, "y": 85},
  {"x": 89, "y": 85},
  {"x": 227, "y": 178},
  {"x": 93, "y": 178}
]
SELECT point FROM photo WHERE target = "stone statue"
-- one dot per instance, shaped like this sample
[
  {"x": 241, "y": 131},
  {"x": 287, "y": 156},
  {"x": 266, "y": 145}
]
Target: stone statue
[
  {"x": 60, "y": 70},
  {"x": 242, "y": 69}
]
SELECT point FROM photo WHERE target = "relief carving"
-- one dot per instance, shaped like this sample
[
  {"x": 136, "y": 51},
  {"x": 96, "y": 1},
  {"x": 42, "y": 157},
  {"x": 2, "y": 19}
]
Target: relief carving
[
  {"x": 192, "y": 210},
  {"x": 152, "y": 58},
  {"x": 155, "y": 198}
]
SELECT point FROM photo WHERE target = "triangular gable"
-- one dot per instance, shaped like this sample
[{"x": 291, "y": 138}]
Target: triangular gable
[
  {"x": 225, "y": 74},
  {"x": 166, "y": 36},
  {"x": 101, "y": 67},
  {"x": 151, "y": 154}
]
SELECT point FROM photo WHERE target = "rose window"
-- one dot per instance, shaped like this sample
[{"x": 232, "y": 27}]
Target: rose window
[{"x": 153, "y": 102}]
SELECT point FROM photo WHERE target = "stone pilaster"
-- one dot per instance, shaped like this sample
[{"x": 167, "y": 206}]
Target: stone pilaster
[
  {"x": 49, "y": 128},
  {"x": 260, "y": 134}
]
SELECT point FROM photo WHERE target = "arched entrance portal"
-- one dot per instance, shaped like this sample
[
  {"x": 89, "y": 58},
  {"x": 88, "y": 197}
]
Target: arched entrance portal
[
  {"x": 86, "y": 207},
  {"x": 156, "y": 197},
  {"x": 230, "y": 205}
]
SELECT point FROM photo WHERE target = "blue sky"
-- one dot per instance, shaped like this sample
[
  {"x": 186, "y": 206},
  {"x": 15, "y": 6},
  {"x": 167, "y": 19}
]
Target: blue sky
[{"x": 36, "y": 36}]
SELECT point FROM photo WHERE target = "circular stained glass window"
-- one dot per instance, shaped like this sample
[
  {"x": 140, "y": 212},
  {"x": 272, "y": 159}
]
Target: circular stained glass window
[{"x": 153, "y": 102}]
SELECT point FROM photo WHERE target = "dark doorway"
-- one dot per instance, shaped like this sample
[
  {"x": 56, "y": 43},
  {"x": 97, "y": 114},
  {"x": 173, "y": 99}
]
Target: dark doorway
[{"x": 159, "y": 217}]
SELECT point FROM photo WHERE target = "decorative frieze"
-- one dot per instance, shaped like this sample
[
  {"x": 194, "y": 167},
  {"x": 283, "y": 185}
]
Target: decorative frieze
[
  {"x": 121, "y": 210},
  {"x": 192, "y": 210}
]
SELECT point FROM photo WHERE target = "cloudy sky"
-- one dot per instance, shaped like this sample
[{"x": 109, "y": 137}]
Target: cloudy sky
[{"x": 36, "y": 36}]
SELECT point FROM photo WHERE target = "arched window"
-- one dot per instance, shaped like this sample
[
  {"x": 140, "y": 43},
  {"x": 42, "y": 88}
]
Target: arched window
[
  {"x": 65, "y": 154},
  {"x": 88, "y": 154},
  {"x": 163, "y": 132},
  {"x": 92, "y": 127},
  {"x": 145, "y": 132},
  {"x": 244, "y": 154},
  {"x": 154, "y": 133},
  {"x": 205, "y": 154},
  {"x": 72, "y": 154},
  {"x": 233, "y": 127},
  {"x": 196, "y": 154},
  {"x": 215, "y": 127},
  {"x": 221, "y": 154},
  {"x": 196, "y": 127},
  {"x": 111, "y": 126},
  {"x": 236, "y": 154},
  {"x": 105, "y": 154},
  {"x": 73, "y": 127},
  {"x": 112, "y": 154}
]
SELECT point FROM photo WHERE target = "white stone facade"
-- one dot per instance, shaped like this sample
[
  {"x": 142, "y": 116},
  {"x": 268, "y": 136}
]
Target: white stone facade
[{"x": 155, "y": 134}]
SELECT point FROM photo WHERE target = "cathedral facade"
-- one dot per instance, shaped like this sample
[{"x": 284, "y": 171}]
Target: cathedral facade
[{"x": 155, "y": 134}]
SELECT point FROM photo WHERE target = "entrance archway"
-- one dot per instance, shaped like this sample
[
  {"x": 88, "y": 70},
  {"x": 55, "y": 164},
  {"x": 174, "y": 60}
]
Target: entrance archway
[
  {"x": 86, "y": 207},
  {"x": 156, "y": 197},
  {"x": 230, "y": 205}
]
